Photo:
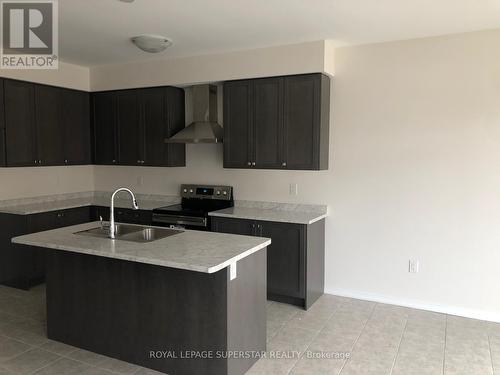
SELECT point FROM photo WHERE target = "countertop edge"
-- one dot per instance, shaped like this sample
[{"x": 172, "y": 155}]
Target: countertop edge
[
  {"x": 183, "y": 266},
  {"x": 319, "y": 217}
]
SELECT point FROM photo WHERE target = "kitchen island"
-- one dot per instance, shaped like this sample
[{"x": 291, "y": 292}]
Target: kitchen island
[{"x": 190, "y": 303}]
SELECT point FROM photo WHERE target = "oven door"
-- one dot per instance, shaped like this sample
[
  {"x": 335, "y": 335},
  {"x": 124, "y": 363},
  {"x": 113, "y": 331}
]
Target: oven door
[{"x": 188, "y": 222}]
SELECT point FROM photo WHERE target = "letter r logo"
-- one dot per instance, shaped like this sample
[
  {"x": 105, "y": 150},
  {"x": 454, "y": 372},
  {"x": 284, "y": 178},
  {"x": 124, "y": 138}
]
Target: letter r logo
[{"x": 27, "y": 27}]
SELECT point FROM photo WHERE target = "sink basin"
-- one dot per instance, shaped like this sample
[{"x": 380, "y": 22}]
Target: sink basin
[
  {"x": 134, "y": 233},
  {"x": 121, "y": 229},
  {"x": 149, "y": 234}
]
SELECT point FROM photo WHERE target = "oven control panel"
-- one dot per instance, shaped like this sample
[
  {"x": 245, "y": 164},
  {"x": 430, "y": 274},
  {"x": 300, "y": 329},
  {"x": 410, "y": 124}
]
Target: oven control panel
[{"x": 207, "y": 192}]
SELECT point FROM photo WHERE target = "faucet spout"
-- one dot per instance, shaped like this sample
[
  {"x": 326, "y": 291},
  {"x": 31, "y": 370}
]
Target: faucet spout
[{"x": 112, "y": 226}]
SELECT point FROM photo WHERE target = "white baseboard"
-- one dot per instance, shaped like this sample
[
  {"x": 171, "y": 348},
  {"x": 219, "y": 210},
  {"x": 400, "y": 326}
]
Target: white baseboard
[{"x": 450, "y": 310}]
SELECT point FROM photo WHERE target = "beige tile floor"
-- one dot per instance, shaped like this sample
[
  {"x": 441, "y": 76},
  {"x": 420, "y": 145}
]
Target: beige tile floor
[{"x": 359, "y": 337}]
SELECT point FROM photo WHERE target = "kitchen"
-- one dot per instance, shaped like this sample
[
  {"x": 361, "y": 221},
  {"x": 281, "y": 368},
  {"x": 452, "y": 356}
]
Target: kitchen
[{"x": 193, "y": 201}]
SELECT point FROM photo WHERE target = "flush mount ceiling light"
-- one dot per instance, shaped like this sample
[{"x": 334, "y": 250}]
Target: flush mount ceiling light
[
  {"x": 151, "y": 43},
  {"x": 127, "y": 1}
]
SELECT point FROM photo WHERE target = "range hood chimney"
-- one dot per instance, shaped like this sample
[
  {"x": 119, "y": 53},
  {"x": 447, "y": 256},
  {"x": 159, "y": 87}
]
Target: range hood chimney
[{"x": 204, "y": 128}]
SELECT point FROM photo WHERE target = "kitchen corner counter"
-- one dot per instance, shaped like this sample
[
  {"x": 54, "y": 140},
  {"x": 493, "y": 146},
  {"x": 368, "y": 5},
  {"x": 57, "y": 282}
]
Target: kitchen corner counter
[
  {"x": 199, "y": 251},
  {"x": 278, "y": 212},
  {"x": 35, "y": 205}
]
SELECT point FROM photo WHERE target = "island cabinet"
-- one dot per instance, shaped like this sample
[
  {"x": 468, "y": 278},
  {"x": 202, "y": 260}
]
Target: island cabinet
[
  {"x": 277, "y": 123},
  {"x": 131, "y": 126},
  {"x": 45, "y": 125},
  {"x": 24, "y": 266},
  {"x": 295, "y": 258},
  {"x": 192, "y": 302}
]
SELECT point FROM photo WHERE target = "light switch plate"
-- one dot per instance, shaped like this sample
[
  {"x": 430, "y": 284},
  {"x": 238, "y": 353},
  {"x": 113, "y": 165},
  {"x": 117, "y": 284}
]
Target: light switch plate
[{"x": 294, "y": 189}]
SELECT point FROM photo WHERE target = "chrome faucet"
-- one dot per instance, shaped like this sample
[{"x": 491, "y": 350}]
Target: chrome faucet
[{"x": 112, "y": 227}]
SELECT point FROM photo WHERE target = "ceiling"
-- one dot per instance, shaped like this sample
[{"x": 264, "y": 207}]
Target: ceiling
[{"x": 96, "y": 32}]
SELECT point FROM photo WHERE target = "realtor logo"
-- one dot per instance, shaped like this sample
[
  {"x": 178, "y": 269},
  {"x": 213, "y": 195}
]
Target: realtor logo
[{"x": 29, "y": 35}]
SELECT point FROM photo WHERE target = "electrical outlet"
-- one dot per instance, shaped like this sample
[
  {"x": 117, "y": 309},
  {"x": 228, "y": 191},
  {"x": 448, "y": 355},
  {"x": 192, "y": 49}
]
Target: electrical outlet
[
  {"x": 294, "y": 189},
  {"x": 413, "y": 266}
]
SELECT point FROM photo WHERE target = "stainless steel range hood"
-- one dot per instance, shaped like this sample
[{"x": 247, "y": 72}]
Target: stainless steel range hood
[{"x": 204, "y": 128}]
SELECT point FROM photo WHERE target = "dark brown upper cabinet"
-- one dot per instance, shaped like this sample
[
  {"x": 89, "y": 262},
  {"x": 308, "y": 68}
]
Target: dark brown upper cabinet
[
  {"x": 45, "y": 125},
  {"x": 48, "y": 126},
  {"x": 75, "y": 119},
  {"x": 20, "y": 124},
  {"x": 238, "y": 124},
  {"x": 136, "y": 122},
  {"x": 2, "y": 126},
  {"x": 105, "y": 128},
  {"x": 277, "y": 123}
]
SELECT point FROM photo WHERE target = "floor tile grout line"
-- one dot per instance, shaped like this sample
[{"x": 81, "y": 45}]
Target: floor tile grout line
[
  {"x": 316, "y": 335},
  {"x": 445, "y": 342},
  {"x": 399, "y": 345},
  {"x": 357, "y": 338},
  {"x": 47, "y": 365},
  {"x": 491, "y": 355}
]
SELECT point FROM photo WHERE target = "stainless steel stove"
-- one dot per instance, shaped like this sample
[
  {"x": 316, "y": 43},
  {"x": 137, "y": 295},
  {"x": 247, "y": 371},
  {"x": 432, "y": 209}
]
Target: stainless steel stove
[{"x": 197, "y": 202}]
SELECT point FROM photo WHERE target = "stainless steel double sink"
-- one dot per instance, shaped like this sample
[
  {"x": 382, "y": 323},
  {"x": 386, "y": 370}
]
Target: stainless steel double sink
[{"x": 133, "y": 233}]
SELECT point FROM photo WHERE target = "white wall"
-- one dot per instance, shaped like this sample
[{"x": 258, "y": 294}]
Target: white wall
[
  {"x": 27, "y": 182},
  {"x": 263, "y": 62},
  {"x": 414, "y": 173},
  {"x": 67, "y": 75}
]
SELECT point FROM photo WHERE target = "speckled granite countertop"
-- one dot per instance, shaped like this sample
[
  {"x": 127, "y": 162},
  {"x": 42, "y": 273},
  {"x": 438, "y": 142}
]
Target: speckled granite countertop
[
  {"x": 269, "y": 211},
  {"x": 190, "y": 250},
  {"x": 252, "y": 210},
  {"x": 28, "y": 206}
]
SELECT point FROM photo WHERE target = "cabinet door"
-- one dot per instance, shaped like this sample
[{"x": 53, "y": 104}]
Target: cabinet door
[
  {"x": 2, "y": 147},
  {"x": 154, "y": 126},
  {"x": 20, "y": 123},
  {"x": 268, "y": 122},
  {"x": 2, "y": 126},
  {"x": 233, "y": 226},
  {"x": 106, "y": 150},
  {"x": 176, "y": 153},
  {"x": 129, "y": 130},
  {"x": 302, "y": 121},
  {"x": 75, "y": 121},
  {"x": 73, "y": 216},
  {"x": 238, "y": 120},
  {"x": 49, "y": 132},
  {"x": 285, "y": 258}
]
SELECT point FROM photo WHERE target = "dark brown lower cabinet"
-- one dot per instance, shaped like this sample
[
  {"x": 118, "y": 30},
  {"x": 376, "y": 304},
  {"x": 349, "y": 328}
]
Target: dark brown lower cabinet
[
  {"x": 24, "y": 266},
  {"x": 295, "y": 258},
  {"x": 2, "y": 147},
  {"x": 125, "y": 215}
]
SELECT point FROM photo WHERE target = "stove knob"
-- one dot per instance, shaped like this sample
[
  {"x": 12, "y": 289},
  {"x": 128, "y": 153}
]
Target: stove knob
[
  {"x": 191, "y": 191},
  {"x": 225, "y": 193},
  {"x": 218, "y": 192},
  {"x": 185, "y": 190}
]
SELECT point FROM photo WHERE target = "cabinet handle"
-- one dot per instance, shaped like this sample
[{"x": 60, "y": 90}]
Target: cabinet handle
[
  {"x": 114, "y": 161},
  {"x": 138, "y": 162},
  {"x": 66, "y": 161},
  {"x": 36, "y": 161},
  {"x": 253, "y": 164},
  {"x": 40, "y": 161},
  {"x": 249, "y": 163},
  {"x": 283, "y": 164},
  {"x": 142, "y": 161}
]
